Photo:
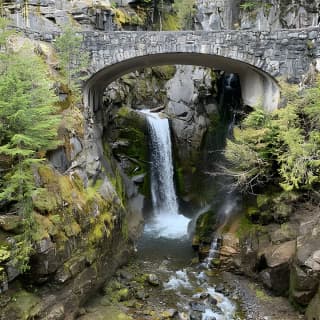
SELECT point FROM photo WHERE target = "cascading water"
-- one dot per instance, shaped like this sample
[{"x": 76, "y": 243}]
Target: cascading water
[{"x": 166, "y": 221}]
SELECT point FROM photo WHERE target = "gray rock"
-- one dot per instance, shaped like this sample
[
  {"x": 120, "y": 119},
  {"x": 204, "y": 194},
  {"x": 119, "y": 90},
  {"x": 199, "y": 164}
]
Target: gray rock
[
  {"x": 195, "y": 306},
  {"x": 139, "y": 178},
  {"x": 10, "y": 222},
  {"x": 59, "y": 160},
  {"x": 126, "y": 275},
  {"x": 153, "y": 280},
  {"x": 278, "y": 255},
  {"x": 76, "y": 147},
  {"x": 313, "y": 310},
  {"x": 56, "y": 312}
]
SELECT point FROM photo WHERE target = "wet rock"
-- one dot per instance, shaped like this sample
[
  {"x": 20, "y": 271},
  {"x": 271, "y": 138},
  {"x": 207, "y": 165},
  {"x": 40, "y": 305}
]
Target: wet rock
[
  {"x": 220, "y": 288},
  {"x": 139, "y": 178},
  {"x": 213, "y": 301},
  {"x": 204, "y": 295},
  {"x": 196, "y": 315},
  {"x": 153, "y": 280},
  {"x": 196, "y": 306}
]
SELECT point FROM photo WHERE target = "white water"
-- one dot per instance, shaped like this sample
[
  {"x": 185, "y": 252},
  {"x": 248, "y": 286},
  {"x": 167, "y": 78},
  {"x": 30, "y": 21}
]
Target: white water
[{"x": 166, "y": 222}]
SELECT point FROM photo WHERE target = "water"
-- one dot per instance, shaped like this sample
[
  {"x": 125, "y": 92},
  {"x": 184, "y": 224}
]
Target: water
[
  {"x": 190, "y": 289},
  {"x": 164, "y": 244},
  {"x": 166, "y": 220}
]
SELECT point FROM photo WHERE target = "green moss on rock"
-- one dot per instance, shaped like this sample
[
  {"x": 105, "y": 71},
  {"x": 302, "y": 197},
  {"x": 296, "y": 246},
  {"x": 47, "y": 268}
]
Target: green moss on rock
[
  {"x": 205, "y": 226},
  {"x": 24, "y": 306}
]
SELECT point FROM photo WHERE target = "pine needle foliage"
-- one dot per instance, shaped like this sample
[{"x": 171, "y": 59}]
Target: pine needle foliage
[
  {"x": 72, "y": 59},
  {"x": 28, "y": 128},
  {"x": 282, "y": 146}
]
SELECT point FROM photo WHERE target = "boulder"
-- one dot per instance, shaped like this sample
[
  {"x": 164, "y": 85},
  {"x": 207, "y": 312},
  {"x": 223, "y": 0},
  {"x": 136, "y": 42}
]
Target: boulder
[
  {"x": 10, "y": 222},
  {"x": 153, "y": 280},
  {"x": 305, "y": 271},
  {"x": 278, "y": 255},
  {"x": 277, "y": 259},
  {"x": 313, "y": 310}
]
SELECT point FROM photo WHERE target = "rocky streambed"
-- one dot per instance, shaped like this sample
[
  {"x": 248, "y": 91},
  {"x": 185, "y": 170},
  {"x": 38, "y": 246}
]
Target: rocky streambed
[{"x": 165, "y": 280}]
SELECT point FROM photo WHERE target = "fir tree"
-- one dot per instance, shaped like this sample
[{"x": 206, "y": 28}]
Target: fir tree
[
  {"x": 72, "y": 59},
  {"x": 28, "y": 128}
]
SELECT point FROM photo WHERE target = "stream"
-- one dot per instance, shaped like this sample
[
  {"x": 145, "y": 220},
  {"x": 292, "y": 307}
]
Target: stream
[{"x": 165, "y": 279}]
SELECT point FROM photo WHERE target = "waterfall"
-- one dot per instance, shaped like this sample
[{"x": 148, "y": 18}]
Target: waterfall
[
  {"x": 166, "y": 222},
  {"x": 164, "y": 197}
]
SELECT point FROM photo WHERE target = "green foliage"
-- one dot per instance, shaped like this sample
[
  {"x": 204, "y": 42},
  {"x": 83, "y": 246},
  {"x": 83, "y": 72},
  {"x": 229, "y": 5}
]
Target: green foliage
[
  {"x": 4, "y": 31},
  {"x": 283, "y": 146},
  {"x": 185, "y": 10},
  {"x": 205, "y": 226},
  {"x": 28, "y": 128},
  {"x": 249, "y": 5},
  {"x": 72, "y": 60}
]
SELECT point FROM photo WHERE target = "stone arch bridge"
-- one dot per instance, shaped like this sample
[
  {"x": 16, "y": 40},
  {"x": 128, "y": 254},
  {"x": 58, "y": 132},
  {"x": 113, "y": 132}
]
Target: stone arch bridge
[{"x": 258, "y": 57}]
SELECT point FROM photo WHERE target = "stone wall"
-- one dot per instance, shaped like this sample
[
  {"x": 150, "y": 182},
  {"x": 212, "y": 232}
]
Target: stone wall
[{"x": 256, "y": 56}]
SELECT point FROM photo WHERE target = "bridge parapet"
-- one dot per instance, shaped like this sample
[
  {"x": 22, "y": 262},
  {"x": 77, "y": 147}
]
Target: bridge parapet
[
  {"x": 258, "y": 57},
  {"x": 279, "y": 53}
]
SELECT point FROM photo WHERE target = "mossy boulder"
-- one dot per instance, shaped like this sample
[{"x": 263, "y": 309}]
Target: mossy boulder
[
  {"x": 10, "y": 223},
  {"x": 205, "y": 226},
  {"x": 24, "y": 305},
  {"x": 204, "y": 231}
]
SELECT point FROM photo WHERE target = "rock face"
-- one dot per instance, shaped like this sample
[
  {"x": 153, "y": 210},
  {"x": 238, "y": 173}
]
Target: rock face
[
  {"x": 217, "y": 14},
  {"x": 284, "y": 257},
  {"x": 278, "y": 259},
  {"x": 280, "y": 14},
  {"x": 188, "y": 115},
  {"x": 257, "y": 15}
]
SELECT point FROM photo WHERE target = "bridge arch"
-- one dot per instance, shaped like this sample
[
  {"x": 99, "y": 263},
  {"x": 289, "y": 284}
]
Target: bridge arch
[
  {"x": 257, "y": 56},
  {"x": 257, "y": 86}
]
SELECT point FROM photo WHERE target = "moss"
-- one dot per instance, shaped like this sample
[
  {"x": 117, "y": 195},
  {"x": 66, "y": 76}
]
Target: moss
[
  {"x": 102, "y": 227},
  {"x": 179, "y": 179},
  {"x": 246, "y": 227},
  {"x": 124, "y": 112},
  {"x": 4, "y": 253},
  {"x": 24, "y": 305},
  {"x": 262, "y": 199},
  {"x": 125, "y": 229},
  {"x": 72, "y": 229},
  {"x": 205, "y": 226},
  {"x": 164, "y": 72},
  {"x": 45, "y": 227},
  {"x": 170, "y": 22},
  {"x": 123, "y": 17},
  {"x": 45, "y": 201},
  {"x": 72, "y": 121}
]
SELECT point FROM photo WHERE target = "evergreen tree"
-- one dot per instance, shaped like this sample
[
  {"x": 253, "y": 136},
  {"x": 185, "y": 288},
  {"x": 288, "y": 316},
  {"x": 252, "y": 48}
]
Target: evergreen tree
[
  {"x": 72, "y": 59},
  {"x": 282, "y": 147},
  {"x": 28, "y": 128}
]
